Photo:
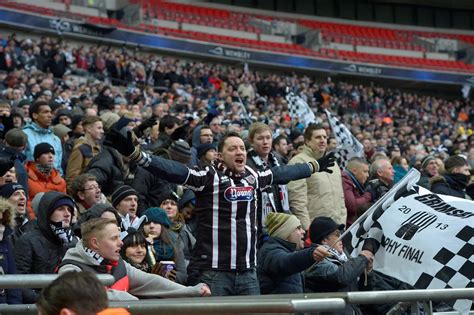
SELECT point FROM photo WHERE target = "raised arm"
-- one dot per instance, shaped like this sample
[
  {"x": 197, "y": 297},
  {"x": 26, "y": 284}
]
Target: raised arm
[
  {"x": 171, "y": 171},
  {"x": 286, "y": 173}
]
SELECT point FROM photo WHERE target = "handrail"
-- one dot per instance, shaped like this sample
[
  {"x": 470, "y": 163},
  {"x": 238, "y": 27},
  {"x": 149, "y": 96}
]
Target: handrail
[
  {"x": 39, "y": 281},
  {"x": 285, "y": 303},
  {"x": 379, "y": 297}
]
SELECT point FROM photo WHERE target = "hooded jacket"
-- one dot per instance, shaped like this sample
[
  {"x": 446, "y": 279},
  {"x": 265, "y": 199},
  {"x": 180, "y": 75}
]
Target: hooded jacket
[
  {"x": 37, "y": 135},
  {"x": 7, "y": 259},
  {"x": 40, "y": 250},
  {"x": 130, "y": 282}
]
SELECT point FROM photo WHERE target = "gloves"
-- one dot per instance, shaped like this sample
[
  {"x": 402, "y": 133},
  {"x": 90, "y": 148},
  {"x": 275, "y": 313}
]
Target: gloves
[
  {"x": 6, "y": 163},
  {"x": 121, "y": 143},
  {"x": 327, "y": 161},
  {"x": 150, "y": 122}
]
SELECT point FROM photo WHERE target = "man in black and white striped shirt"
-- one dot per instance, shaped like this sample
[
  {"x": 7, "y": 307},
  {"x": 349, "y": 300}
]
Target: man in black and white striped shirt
[{"x": 225, "y": 250}]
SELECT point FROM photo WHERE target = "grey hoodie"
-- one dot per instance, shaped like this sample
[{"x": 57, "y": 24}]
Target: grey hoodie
[{"x": 141, "y": 283}]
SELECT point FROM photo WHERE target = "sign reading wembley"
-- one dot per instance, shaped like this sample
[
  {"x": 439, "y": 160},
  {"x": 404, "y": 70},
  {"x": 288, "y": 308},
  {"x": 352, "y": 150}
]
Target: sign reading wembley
[{"x": 426, "y": 240}]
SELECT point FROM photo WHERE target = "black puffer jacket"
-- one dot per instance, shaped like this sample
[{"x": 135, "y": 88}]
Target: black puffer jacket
[
  {"x": 110, "y": 170},
  {"x": 39, "y": 251}
]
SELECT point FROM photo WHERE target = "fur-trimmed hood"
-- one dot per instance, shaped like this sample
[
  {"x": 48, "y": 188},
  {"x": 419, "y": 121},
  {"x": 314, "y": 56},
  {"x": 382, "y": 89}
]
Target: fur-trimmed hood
[{"x": 8, "y": 212}]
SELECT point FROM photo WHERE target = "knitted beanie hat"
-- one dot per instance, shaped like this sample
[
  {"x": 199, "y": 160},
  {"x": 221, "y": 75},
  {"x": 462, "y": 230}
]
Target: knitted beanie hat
[
  {"x": 158, "y": 215},
  {"x": 8, "y": 189},
  {"x": 180, "y": 151},
  {"x": 121, "y": 193},
  {"x": 203, "y": 148},
  {"x": 281, "y": 224},
  {"x": 427, "y": 159},
  {"x": 42, "y": 148}
]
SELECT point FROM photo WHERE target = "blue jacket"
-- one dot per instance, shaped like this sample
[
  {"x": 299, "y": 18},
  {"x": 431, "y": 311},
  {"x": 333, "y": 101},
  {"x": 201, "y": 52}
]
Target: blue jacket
[
  {"x": 280, "y": 267},
  {"x": 37, "y": 135},
  {"x": 7, "y": 264}
]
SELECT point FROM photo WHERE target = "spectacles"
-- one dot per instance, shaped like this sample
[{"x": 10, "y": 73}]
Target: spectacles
[{"x": 97, "y": 187}]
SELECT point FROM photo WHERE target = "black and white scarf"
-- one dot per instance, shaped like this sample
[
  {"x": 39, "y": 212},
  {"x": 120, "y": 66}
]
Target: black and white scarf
[
  {"x": 219, "y": 165},
  {"x": 63, "y": 233},
  {"x": 335, "y": 257},
  {"x": 268, "y": 196}
]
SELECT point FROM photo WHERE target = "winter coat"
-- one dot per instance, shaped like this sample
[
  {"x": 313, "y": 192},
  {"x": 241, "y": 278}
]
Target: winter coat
[
  {"x": 39, "y": 251},
  {"x": 316, "y": 196},
  {"x": 110, "y": 170},
  {"x": 37, "y": 135},
  {"x": 330, "y": 275},
  {"x": 140, "y": 284},
  {"x": 355, "y": 197},
  {"x": 38, "y": 182},
  {"x": 82, "y": 153},
  {"x": 280, "y": 266},
  {"x": 448, "y": 185},
  {"x": 151, "y": 189},
  {"x": 377, "y": 188},
  {"x": 7, "y": 258}
]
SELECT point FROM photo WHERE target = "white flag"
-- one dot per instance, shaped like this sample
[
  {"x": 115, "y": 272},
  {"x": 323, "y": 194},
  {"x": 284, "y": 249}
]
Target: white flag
[
  {"x": 426, "y": 240},
  {"x": 299, "y": 109},
  {"x": 347, "y": 145}
]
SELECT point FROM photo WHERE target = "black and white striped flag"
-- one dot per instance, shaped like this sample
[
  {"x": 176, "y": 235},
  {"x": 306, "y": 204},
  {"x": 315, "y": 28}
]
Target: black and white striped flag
[{"x": 347, "y": 145}]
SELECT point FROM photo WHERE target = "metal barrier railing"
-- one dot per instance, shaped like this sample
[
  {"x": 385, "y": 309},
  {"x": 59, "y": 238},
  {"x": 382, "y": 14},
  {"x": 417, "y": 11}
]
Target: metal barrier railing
[
  {"x": 39, "y": 281},
  {"x": 292, "y": 303}
]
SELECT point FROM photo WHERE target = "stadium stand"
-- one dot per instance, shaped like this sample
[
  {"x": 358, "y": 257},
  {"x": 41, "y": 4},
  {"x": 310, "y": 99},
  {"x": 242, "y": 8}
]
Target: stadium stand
[{"x": 341, "y": 41}]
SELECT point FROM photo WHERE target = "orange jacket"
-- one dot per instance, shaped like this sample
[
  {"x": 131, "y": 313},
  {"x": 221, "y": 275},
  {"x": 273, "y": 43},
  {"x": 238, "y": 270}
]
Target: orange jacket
[
  {"x": 114, "y": 311},
  {"x": 38, "y": 182}
]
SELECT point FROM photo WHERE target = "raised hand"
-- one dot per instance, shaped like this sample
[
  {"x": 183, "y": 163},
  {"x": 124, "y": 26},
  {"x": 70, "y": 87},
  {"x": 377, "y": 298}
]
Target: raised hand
[
  {"x": 327, "y": 161},
  {"x": 120, "y": 142}
]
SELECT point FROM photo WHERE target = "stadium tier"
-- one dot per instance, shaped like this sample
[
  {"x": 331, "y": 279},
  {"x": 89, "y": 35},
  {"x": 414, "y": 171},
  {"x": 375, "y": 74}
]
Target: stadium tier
[{"x": 337, "y": 41}]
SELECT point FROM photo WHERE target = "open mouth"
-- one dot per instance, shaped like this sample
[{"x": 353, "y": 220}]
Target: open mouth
[{"x": 239, "y": 161}]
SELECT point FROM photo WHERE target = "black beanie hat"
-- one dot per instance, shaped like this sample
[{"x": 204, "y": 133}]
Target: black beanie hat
[
  {"x": 8, "y": 189},
  {"x": 203, "y": 148},
  {"x": 322, "y": 227},
  {"x": 121, "y": 193},
  {"x": 43, "y": 148}
]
